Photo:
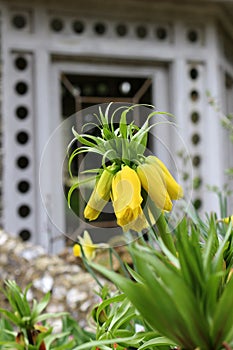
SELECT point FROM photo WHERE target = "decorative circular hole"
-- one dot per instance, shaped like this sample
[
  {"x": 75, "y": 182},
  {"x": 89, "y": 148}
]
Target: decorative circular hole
[
  {"x": 21, "y": 63},
  {"x": 196, "y": 161},
  {"x": 141, "y": 32},
  {"x": 192, "y": 36},
  {"x": 125, "y": 87},
  {"x": 228, "y": 81},
  {"x": 25, "y": 235},
  {"x": 197, "y": 203},
  {"x": 161, "y": 33},
  {"x": 100, "y": 28},
  {"x": 21, "y": 112},
  {"x": 185, "y": 176},
  {"x": 78, "y": 27},
  {"x": 121, "y": 30},
  {"x": 23, "y": 186},
  {"x": 56, "y": 24},
  {"x": 197, "y": 181},
  {"x": 19, "y": 21},
  {"x": 22, "y": 162},
  {"x": 195, "y": 117},
  {"x": 21, "y": 88},
  {"x": 24, "y": 210},
  {"x": 193, "y": 73},
  {"x": 194, "y": 95},
  {"x": 22, "y": 137},
  {"x": 196, "y": 138}
]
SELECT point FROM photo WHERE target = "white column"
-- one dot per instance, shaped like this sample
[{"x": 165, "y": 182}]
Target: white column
[
  {"x": 50, "y": 211},
  {"x": 213, "y": 166}
]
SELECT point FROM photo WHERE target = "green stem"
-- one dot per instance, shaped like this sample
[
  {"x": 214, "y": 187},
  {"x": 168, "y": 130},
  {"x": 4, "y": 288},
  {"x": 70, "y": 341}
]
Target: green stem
[
  {"x": 89, "y": 269},
  {"x": 162, "y": 226}
]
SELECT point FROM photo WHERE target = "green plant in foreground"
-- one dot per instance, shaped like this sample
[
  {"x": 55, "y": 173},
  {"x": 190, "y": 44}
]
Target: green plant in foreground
[
  {"x": 187, "y": 298},
  {"x": 27, "y": 320}
]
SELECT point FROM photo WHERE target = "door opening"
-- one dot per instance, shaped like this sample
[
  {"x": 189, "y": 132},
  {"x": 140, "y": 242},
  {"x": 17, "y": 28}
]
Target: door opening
[{"x": 80, "y": 92}]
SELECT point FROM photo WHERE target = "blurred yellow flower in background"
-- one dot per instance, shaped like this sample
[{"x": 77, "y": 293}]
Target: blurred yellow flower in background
[
  {"x": 227, "y": 220},
  {"x": 89, "y": 248}
]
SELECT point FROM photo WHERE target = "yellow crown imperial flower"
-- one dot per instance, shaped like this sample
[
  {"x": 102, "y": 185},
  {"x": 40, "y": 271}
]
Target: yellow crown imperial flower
[
  {"x": 153, "y": 183},
  {"x": 127, "y": 199},
  {"x": 100, "y": 195},
  {"x": 174, "y": 190}
]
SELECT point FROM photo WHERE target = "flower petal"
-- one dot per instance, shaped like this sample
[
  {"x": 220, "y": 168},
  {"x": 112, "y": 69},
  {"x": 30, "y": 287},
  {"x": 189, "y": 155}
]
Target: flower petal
[
  {"x": 99, "y": 197},
  {"x": 174, "y": 190},
  {"x": 153, "y": 184},
  {"x": 127, "y": 199},
  {"x": 77, "y": 250}
]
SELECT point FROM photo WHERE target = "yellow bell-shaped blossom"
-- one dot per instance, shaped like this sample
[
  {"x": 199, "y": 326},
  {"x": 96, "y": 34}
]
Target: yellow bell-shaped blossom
[
  {"x": 227, "y": 220},
  {"x": 154, "y": 185},
  {"x": 100, "y": 196},
  {"x": 174, "y": 190},
  {"x": 127, "y": 199},
  {"x": 89, "y": 248}
]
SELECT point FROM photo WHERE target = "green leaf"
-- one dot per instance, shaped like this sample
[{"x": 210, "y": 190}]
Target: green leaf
[
  {"x": 223, "y": 318},
  {"x": 52, "y": 337},
  {"x": 10, "y": 316},
  {"x": 134, "y": 340},
  {"x": 39, "y": 307},
  {"x": 46, "y": 316},
  {"x": 158, "y": 341}
]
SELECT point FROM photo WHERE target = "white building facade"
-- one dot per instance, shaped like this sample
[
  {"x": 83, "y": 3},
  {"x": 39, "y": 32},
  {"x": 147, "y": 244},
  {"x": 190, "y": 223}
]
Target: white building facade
[{"x": 60, "y": 56}]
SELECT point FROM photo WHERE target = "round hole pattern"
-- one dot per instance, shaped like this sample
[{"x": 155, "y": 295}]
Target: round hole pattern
[
  {"x": 21, "y": 112},
  {"x": 194, "y": 95},
  {"x": 21, "y": 63},
  {"x": 100, "y": 28},
  {"x": 21, "y": 88},
  {"x": 197, "y": 203},
  {"x": 25, "y": 234},
  {"x": 22, "y": 137},
  {"x": 161, "y": 33},
  {"x": 195, "y": 117},
  {"x": 24, "y": 210},
  {"x": 22, "y": 162},
  {"x": 56, "y": 24},
  {"x": 141, "y": 31},
  {"x": 121, "y": 30},
  {"x": 193, "y": 73},
  {"x": 196, "y": 160},
  {"x": 192, "y": 36},
  {"x": 19, "y": 21},
  {"x": 23, "y": 186},
  {"x": 78, "y": 27},
  {"x": 196, "y": 139},
  {"x": 197, "y": 181}
]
